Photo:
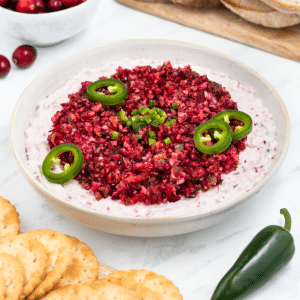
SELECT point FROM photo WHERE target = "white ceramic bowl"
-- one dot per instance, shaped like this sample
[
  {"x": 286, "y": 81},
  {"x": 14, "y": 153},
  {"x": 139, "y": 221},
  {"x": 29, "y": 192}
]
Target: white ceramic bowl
[
  {"x": 48, "y": 28},
  {"x": 177, "y": 52}
]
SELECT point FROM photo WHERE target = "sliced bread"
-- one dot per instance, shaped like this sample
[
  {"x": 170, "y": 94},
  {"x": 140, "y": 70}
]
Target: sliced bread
[
  {"x": 286, "y": 6},
  {"x": 260, "y": 13}
]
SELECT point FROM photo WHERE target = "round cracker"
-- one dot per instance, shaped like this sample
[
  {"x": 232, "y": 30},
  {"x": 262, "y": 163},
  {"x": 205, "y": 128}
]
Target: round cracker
[
  {"x": 84, "y": 265},
  {"x": 9, "y": 219},
  {"x": 82, "y": 291},
  {"x": 58, "y": 248},
  {"x": 162, "y": 288},
  {"x": 13, "y": 273},
  {"x": 266, "y": 17},
  {"x": 62, "y": 293},
  {"x": 32, "y": 255},
  {"x": 110, "y": 290},
  {"x": 85, "y": 292},
  {"x": 137, "y": 288}
]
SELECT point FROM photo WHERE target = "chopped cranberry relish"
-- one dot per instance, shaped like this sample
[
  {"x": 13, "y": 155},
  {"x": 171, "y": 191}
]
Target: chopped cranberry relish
[{"x": 128, "y": 168}]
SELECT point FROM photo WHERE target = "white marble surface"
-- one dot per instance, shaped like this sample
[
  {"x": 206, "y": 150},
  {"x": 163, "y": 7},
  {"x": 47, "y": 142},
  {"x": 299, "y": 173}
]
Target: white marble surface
[{"x": 195, "y": 262}]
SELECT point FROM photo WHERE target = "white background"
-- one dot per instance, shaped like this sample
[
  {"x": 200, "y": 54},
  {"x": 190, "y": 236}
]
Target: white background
[{"x": 195, "y": 262}]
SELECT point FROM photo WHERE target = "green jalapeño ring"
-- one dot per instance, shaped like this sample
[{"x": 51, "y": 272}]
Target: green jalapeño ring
[
  {"x": 70, "y": 171},
  {"x": 224, "y": 136},
  {"x": 114, "y": 86}
]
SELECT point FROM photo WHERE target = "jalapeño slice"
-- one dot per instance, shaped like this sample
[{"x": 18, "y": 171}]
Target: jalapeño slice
[
  {"x": 115, "y": 87},
  {"x": 70, "y": 171},
  {"x": 240, "y": 131},
  {"x": 222, "y": 132}
]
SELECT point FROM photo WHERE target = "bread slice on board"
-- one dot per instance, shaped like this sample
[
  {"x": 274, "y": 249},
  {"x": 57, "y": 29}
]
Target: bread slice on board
[
  {"x": 286, "y": 6},
  {"x": 193, "y": 3},
  {"x": 199, "y": 3},
  {"x": 251, "y": 4},
  {"x": 258, "y": 12}
]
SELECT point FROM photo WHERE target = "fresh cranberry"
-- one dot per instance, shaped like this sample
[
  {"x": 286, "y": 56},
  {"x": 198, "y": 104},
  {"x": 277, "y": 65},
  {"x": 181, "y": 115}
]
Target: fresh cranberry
[
  {"x": 4, "y": 66},
  {"x": 70, "y": 3},
  {"x": 54, "y": 5},
  {"x": 3, "y": 2},
  {"x": 39, "y": 6},
  {"x": 26, "y": 6},
  {"x": 24, "y": 56},
  {"x": 10, "y": 4}
]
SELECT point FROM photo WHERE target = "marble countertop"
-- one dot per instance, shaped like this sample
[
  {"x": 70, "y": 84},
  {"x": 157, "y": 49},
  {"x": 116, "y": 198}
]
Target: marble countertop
[{"x": 195, "y": 262}]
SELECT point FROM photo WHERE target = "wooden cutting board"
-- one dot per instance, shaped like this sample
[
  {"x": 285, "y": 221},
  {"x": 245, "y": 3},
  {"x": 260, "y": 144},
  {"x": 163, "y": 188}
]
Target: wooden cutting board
[{"x": 221, "y": 21}]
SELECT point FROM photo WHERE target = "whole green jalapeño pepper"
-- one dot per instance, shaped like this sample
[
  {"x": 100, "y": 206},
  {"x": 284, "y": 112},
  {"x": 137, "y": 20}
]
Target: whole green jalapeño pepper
[
  {"x": 70, "y": 171},
  {"x": 115, "y": 87},
  {"x": 270, "y": 250},
  {"x": 224, "y": 136}
]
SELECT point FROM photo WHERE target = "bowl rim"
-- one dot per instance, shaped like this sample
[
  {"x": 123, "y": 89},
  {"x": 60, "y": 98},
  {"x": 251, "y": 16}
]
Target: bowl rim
[
  {"x": 48, "y": 15},
  {"x": 222, "y": 208}
]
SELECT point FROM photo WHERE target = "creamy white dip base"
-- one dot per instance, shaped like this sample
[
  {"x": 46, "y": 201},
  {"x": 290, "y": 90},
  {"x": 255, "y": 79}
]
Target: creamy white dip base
[{"x": 254, "y": 162}]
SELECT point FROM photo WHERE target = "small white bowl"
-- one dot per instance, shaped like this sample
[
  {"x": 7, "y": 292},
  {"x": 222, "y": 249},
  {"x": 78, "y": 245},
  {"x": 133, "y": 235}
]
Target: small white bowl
[
  {"x": 177, "y": 52},
  {"x": 48, "y": 28}
]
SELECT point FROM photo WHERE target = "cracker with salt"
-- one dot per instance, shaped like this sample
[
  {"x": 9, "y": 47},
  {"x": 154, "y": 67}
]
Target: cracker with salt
[
  {"x": 162, "y": 288},
  {"x": 85, "y": 292},
  {"x": 138, "y": 289},
  {"x": 62, "y": 293},
  {"x": 9, "y": 219},
  {"x": 13, "y": 273},
  {"x": 84, "y": 265},
  {"x": 58, "y": 248},
  {"x": 80, "y": 291},
  {"x": 110, "y": 290},
  {"x": 137, "y": 275},
  {"x": 32, "y": 255}
]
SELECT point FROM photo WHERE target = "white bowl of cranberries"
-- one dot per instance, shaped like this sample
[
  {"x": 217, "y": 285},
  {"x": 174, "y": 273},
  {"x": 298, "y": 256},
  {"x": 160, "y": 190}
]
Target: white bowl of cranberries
[{"x": 45, "y": 22}]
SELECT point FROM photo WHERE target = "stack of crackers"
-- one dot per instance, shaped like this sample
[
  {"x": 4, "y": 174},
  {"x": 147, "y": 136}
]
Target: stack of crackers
[{"x": 47, "y": 264}]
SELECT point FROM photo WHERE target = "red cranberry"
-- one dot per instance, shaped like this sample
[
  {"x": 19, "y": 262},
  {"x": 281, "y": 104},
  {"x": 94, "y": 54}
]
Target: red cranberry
[
  {"x": 40, "y": 6},
  {"x": 4, "y": 66},
  {"x": 10, "y": 4},
  {"x": 3, "y": 2},
  {"x": 26, "y": 6},
  {"x": 24, "y": 56},
  {"x": 70, "y": 3},
  {"x": 54, "y": 5}
]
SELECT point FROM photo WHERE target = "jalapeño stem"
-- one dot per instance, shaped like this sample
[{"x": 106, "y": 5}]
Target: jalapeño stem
[{"x": 288, "y": 219}]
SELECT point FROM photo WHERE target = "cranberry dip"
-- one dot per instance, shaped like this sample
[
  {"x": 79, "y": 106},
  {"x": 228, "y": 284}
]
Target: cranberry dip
[{"x": 125, "y": 176}]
